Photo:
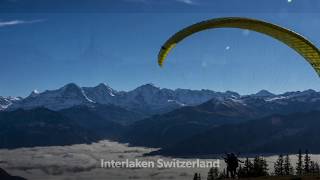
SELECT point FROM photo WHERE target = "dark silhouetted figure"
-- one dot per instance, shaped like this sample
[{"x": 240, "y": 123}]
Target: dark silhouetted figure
[
  {"x": 232, "y": 162},
  {"x": 246, "y": 170},
  {"x": 197, "y": 176},
  {"x": 213, "y": 173}
]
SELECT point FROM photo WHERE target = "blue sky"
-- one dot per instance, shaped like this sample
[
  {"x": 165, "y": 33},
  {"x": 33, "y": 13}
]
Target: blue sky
[{"x": 46, "y": 44}]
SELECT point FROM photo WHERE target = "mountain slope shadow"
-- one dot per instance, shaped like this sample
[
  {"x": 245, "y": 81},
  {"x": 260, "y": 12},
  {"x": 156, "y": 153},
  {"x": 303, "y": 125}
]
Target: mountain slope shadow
[
  {"x": 40, "y": 127},
  {"x": 273, "y": 134}
]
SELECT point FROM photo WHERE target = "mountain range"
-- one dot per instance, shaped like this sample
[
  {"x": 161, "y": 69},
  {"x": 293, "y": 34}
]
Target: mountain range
[
  {"x": 5, "y": 102},
  {"x": 170, "y": 128},
  {"x": 158, "y": 117},
  {"x": 147, "y": 99}
]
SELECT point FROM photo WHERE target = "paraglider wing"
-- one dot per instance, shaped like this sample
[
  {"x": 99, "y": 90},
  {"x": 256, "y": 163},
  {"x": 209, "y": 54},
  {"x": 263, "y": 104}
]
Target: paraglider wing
[{"x": 297, "y": 42}]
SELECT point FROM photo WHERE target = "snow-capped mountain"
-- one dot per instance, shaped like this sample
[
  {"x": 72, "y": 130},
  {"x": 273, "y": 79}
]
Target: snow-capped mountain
[
  {"x": 263, "y": 94},
  {"x": 266, "y": 103},
  {"x": 101, "y": 94},
  {"x": 5, "y": 102},
  {"x": 194, "y": 97},
  {"x": 34, "y": 93},
  {"x": 149, "y": 99},
  {"x": 65, "y": 97},
  {"x": 146, "y": 98},
  {"x": 227, "y": 106},
  {"x": 152, "y": 99}
]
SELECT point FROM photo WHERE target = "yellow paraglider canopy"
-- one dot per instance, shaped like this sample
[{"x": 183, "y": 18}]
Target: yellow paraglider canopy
[{"x": 297, "y": 42}]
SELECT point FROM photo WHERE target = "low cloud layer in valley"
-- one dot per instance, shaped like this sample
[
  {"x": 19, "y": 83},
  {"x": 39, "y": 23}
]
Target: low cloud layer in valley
[{"x": 82, "y": 161}]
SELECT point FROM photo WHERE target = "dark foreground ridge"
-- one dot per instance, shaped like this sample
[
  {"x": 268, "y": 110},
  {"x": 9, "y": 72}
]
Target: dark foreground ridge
[{"x": 6, "y": 176}]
